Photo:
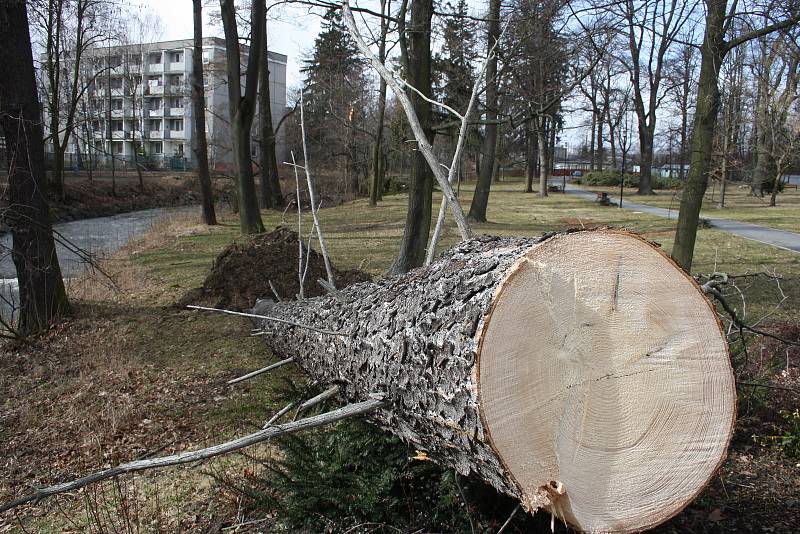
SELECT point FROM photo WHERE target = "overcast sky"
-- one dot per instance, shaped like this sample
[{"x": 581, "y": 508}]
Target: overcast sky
[{"x": 291, "y": 30}]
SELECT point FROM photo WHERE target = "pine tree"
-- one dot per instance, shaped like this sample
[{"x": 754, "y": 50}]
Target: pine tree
[{"x": 335, "y": 97}]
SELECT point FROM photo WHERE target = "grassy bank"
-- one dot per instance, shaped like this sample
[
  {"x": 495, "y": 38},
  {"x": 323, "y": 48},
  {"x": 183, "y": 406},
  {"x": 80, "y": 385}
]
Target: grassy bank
[{"x": 131, "y": 375}]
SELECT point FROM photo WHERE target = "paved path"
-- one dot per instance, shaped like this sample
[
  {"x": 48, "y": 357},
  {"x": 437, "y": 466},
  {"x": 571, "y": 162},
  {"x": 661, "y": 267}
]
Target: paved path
[{"x": 770, "y": 236}]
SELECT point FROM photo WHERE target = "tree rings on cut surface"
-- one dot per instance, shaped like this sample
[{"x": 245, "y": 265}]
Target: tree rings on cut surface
[{"x": 604, "y": 381}]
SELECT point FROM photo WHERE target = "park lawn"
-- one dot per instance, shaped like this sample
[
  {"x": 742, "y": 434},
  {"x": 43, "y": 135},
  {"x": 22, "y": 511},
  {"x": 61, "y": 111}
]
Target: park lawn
[
  {"x": 367, "y": 237},
  {"x": 740, "y": 205}
]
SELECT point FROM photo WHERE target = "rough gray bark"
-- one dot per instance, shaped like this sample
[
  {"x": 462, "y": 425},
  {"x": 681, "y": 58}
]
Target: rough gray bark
[
  {"x": 270, "y": 195},
  {"x": 480, "y": 199},
  {"x": 413, "y": 338},
  {"x": 200, "y": 144},
  {"x": 242, "y": 104},
  {"x": 42, "y": 297}
]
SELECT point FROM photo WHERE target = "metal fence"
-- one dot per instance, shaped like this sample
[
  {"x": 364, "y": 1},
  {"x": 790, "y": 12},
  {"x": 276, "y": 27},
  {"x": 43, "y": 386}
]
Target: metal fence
[{"x": 104, "y": 162}]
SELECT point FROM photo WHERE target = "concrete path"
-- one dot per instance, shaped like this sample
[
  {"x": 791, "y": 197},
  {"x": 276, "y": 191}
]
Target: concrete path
[{"x": 762, "y": 234}]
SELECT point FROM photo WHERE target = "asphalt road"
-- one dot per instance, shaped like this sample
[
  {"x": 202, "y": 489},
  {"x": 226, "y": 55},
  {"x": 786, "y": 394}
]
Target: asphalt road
[{"x": 770, "y": 236}]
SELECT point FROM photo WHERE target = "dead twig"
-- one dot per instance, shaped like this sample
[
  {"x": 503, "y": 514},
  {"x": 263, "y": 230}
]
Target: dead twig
[
  {"x": 261, "y": 371},
  {"x": 350, "y": 410},
  {"x": 268, "y": 318}
]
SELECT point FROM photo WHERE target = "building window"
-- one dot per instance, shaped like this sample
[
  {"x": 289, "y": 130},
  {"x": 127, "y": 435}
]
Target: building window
[
  {"x": 155, "y": 104},
  {"x": 114, "y": 61},
  {"x": 155, "y": 124},
  {"x": 95, "y": 125},
  {"x": 117, "y": 148},
  {"x": 116, "y": 83},
  {"x": 176, "y": 79},
  {"x": 206, "y": 56},
  {"x": 116, "y": 126},
  {"x": 155, "y": 59},
  {"x": 156, "y": 147},
  {"x": 116, "y": 104},
  {"x": 177, "y": 102},
  {"x": 179, "y": 149},
  {"x": 177, "y": 57},
  {"x": 176, "y": 125}
]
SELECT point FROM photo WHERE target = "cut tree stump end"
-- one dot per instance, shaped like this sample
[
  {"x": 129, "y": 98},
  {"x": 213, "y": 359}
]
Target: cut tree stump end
[{"x": 604, "y": 381}]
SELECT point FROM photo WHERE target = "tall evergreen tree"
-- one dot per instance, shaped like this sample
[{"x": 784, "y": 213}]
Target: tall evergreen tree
[
  {"x": 453, "y": 69},
  {"x": 335, "y": 97}
]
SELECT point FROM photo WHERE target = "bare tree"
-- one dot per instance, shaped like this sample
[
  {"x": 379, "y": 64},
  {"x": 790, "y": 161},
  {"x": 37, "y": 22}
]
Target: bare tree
[
  {"x": 480, "y": 199},
  {"x": 775, "y": 70},
  {"x": 199, "y": 141},
  {"x": 379, "y": 150},
  {"x": 650, "y": 28},
  {"x": 68, "y": 28},
  {"x": 716, "y": 46},
  {"x": 270, "y": 193},
  {"x": 42, "y": 295},
  {"x": 242, "y": 105}
]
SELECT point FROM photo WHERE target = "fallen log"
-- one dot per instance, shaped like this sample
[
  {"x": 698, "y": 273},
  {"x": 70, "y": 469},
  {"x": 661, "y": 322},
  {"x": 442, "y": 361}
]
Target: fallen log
[{"x": 583, "y": 373}]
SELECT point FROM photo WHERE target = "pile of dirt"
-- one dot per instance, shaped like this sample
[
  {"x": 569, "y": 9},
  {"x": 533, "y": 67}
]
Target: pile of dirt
[{"x": 243, "y": 271}]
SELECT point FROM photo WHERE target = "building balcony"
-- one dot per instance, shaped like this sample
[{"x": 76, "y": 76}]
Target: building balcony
[
  {"x": 176, "y": 134},
  {"x": 117, "y": 92},
  {"x": 176, "y": 112},
  {"x": 154, "y": 90},
  {"x": 119, "y": 134},
  {"x": 117, "y": 113},
  {"x": 156, "y": 134},
  {"x": 156, "y": 112},
  {"x": 179, "y": 66},
  {"x": 155, "y": 68}
]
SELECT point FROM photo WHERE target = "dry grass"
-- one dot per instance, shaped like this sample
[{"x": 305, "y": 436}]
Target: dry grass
[{"x": 128, "y": 375}]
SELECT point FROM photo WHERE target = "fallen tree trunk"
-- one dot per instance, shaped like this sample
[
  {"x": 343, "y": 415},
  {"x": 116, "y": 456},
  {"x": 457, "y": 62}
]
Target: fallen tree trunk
[{"x": 583, "y": 373}]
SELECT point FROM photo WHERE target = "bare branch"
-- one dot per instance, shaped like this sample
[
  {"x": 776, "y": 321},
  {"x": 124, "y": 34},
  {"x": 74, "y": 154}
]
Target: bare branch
[
  {"x": 261, "y": 371},
  {"x": 326, "y": 418},
  {"x": 422, "y": 140}
]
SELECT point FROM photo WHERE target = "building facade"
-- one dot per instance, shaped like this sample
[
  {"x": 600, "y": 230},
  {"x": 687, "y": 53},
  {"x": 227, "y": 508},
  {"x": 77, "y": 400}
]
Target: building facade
[{"x": 137, "y": 107}]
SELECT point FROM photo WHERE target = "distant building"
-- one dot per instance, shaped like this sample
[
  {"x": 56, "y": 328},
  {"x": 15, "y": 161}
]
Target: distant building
[{"x": 139, "y": 104}]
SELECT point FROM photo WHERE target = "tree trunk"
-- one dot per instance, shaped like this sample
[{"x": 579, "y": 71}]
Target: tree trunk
[
  {"x": 420, "y": 187},
  {"x": 271, "y": 195},
  {"x": 712, "y": 54},
  {"x": 200, "y": 143},
  {"x": 242, "y": 108},
  {"x": 600, "y": 151},
  {"x": 521, "y": 361},
  {"x": 378, "y": 154},
  {"x": 544, "y": 167},
  {"x": 531, "y": 155},
  {"x": 646, "y": 159},
  {"x": 480, "y": 199},
  {"x": 592, "y": 164},
  {"x": 42, "y": 296}
]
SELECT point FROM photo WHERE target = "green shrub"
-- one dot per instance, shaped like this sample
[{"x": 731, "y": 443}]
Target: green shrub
[
  {"x": 609, "y": 178},
  {"x": 394, "y": 184}
]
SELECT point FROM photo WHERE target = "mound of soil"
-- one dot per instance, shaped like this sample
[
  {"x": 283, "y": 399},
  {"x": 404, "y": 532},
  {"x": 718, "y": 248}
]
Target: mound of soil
[{"x": 243, "y": 271}]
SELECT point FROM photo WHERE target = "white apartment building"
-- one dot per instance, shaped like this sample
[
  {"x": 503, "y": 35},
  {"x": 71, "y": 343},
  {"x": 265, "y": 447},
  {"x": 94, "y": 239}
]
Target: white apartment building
[{"x": 138, "y": 106}]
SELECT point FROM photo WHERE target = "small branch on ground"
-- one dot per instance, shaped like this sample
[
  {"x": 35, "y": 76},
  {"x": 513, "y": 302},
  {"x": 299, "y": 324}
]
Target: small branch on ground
[{"x": 350, "y": 410}]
